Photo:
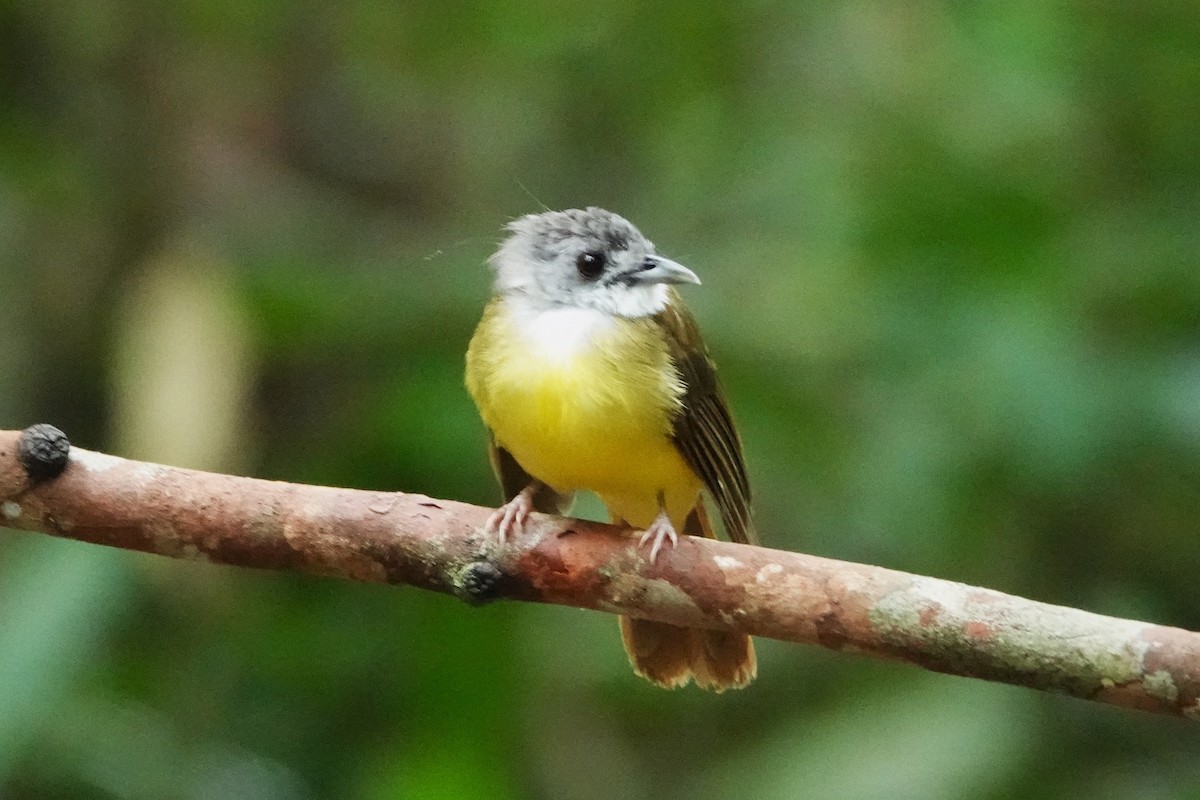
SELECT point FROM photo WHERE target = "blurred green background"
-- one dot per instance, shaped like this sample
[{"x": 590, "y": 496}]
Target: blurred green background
[{"x": 951, "y": 262}]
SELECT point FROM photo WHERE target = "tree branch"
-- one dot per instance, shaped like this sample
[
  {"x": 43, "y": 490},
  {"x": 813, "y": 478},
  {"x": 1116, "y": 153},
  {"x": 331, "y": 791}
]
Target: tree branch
[{"x": 437, "y": 544}]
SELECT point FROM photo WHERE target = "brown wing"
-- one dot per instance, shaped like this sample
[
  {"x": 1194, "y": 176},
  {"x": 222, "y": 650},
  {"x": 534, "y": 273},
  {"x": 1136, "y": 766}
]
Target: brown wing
[
  {"x": 703, "y": 429},
  {"x": 513, "y": 478}
]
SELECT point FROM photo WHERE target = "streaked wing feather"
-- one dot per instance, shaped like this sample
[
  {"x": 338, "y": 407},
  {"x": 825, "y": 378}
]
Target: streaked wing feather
[{"x": 703, "y": 429}]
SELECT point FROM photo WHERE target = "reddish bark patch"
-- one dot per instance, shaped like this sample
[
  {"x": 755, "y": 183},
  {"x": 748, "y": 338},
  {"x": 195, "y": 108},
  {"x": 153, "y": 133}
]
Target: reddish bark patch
[
  {"x": 978, "y": 630},
  {"x": 831, "y": 632}
]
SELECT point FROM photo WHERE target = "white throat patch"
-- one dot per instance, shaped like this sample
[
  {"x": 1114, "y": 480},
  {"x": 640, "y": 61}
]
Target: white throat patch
[{"x": 559, "y": 334}]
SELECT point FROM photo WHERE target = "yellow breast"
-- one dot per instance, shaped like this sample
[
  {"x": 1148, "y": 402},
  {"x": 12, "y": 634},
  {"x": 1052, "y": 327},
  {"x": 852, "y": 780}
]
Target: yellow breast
[{"x": 583, "y": 400}]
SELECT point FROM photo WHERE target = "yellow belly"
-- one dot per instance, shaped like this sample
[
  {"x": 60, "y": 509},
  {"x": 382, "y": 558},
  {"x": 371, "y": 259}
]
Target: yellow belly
[{"x": 590, "y": 413}]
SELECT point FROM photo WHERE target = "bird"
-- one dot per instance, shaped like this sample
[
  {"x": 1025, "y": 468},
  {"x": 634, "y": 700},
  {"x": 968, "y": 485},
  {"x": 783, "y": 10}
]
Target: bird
[{"x": 590, "y": 374}]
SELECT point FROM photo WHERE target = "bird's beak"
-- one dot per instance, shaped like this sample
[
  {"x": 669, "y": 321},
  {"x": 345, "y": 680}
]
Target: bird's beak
[{"x": 656, "y": 269}]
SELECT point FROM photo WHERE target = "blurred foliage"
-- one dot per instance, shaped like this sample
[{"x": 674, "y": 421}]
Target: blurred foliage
[{"x": 952, "y": 275}]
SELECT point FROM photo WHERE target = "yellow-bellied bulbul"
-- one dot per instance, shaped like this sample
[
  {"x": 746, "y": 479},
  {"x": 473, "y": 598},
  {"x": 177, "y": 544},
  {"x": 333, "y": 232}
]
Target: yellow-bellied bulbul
[{"x": 590, "y": 373}]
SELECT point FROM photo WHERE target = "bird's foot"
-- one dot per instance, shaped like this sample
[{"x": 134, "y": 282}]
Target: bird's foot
[
  {"x": 660, "y": 531},
  {"x": 510, "y": 518}
]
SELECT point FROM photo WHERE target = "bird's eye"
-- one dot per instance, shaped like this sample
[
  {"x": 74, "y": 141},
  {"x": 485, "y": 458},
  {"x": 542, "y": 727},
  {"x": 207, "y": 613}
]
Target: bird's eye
[{"x": 590, "y": 264}]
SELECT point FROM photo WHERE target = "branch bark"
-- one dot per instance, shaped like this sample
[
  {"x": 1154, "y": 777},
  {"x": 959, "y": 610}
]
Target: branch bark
[{"x": 438, "y": 545}]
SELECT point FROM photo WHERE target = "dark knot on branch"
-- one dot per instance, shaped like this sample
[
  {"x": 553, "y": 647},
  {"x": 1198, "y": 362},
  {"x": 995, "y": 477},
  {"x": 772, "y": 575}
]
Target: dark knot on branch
[
  {"x": 43, "y": 450},
  {"x": 479, "y": 582}
]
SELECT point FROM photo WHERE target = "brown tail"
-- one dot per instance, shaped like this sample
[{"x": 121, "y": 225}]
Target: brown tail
[{"x": 670, "y": 656}]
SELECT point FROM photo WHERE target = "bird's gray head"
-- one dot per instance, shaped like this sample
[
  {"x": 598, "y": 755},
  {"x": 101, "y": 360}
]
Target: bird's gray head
[{"x": 588, "y": 258}]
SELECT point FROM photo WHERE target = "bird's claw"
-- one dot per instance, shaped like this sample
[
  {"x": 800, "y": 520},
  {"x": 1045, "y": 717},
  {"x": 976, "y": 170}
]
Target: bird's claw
[
  {"x": 660, "y": 531},
  {"x": 510, "y": 518}
]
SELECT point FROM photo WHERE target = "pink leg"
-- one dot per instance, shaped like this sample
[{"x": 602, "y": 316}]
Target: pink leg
[
  {"x": 661, "y": 530},
  {"x": 510, "y": 517}
]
